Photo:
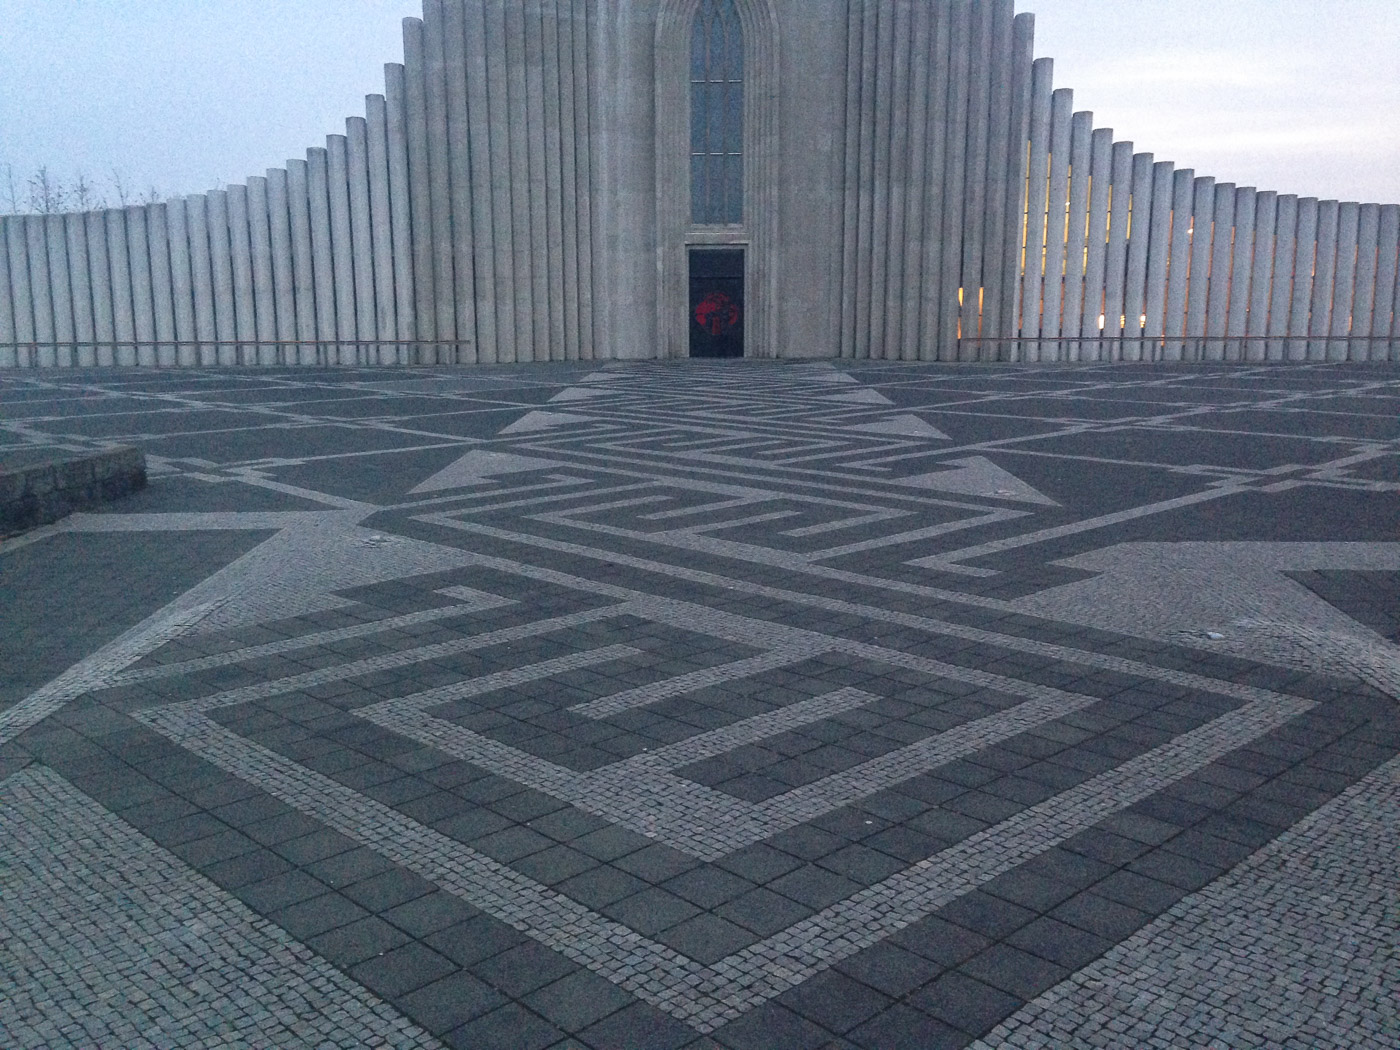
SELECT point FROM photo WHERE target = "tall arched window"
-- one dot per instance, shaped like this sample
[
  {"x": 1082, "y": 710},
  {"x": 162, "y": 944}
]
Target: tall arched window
[{"x": 717, "y": 115}]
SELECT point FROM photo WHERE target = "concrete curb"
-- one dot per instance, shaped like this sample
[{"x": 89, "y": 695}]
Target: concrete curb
[{"x": 39, "y": 493}]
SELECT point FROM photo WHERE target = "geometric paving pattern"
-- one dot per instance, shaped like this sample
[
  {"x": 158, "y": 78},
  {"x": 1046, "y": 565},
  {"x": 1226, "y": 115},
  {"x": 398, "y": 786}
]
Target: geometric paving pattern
[{"x": 732, "y": 704}]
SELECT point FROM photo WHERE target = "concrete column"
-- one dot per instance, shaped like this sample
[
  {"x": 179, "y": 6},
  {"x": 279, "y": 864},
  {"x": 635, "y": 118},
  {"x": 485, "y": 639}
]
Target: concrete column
[
  {"x": 381, "y": 228},
  {"x": 955, "y": 179},
  {"x": 1057, "y": 221},
  {"x": 1221, "y": 255},
  {"x": 60, "y": 290},
  {"x": 240, "y": 245},
  {"x": 1260, "y": 280},
  {"x": 1179, "y": 268},
  {"x": 892, "y": 135},
  {"x": 1081, "y": 143},
  {"x": 1005, "y": 127},
  {"x": 1324, "y": 275},
  {"x": 1023, "y": 61},
  {"x": 1386, "y": 320},
  {"x": 935, "y": 169},
  {"x": 100, "y": 284},
  {"x": 551, "y": 72},
  {"x": 1304, "y": 268},
  {"x": 1241, "y": 266},
  {"x": 512, "y": 59},
  {"x": 1285, "y": 229},
  {"x": 400, "y": 209},
  {"x": 594, "y": 325},
  {"x": 865, "y": 182},
  {"x": 1198, "y": 293},
  {"x": 221, "y": 258},
  {"x": 1363, "y": 309},
  {"x": 361, "y": 238},
  {"x": 162, "y": 291},
  {"x": 1116, "y": 268},
  {"x": 342, "y": 250},
  {"x": 568, "y": 179},
  {"x": 974, "y": 218},
  {"x": 21, "y": 293},
  {"x": 1096, "y": 263},
  {"x": 41, "y": 285},
  {"x": 279, "y": 230},
  {"x": 202, "y": 274},
  {"x": 1158, "y": 258},
  {"x": 138, "y": 247},
  {"x": 123, "y": 316},
  {"x": 323, "y": 255},
  {"x": 303, "y": 261},
  {"x": 851, "y": 185},
  {"x": 459, "y": 168},
  {"x": 542, "y": 264},
  {"x": 1032, "y": 288},
  {"x": 75, "y": 234},
  {"x": 1139, "y": 243},
  {"x": 264, "y": 288},
  {"x": 439, "y": 177},
  {"x": 915, "y": 218},
  {"x": 420, "y": 187},
  {"x": 1344, "y": 285},
  {"x": 9, "y": 353},
  {"x": 552, "y": 69},
  {"x": 181, "y": 281}
]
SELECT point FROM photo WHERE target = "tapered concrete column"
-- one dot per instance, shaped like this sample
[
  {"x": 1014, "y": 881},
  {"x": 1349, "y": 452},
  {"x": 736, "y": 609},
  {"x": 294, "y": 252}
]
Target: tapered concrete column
[
  {"x": 60, "y": 292},
  {"x": 123, "y": 317},
  {"x": 100, "y": 283},
  {"x": 940, "y": 88},
  {"x": 21, "y": 295},
  {"x": 1023, "y": 31},
  {"x": 512, "y": 58},
  {"x": 342, "y": 249},
  {"x": 303, "y": 267},
  {"x": 420, "y": 186},
  {"x": 1061, "y": 134},
  {"x": 1324, "y": 275},
  {"x": 381, "y": 228},
  {"x": 79, "y": 279},
  {"x": 974, "y": 205},
  {"x": 1076, "y": 245},
  {"x": 1241, "y": 266},
  {"x": 181, "y": 281},
  {"x": 1096, "y": 265},
  {"x": 244, "y": 298},
  {"x": 594, "y": 326},
  {"x": 1221, "y": 258},
  {"x": 915, "y": 196},
  {"x": 955, "y": 178},
  {"x": 1280, "y": 298},
  {"x": 142, "y": 293},
  {"x": 322, "y": 253},
  {"x": 892, "y": 159},
  {"x": 1005, "y": 126},
  {"x": 162, "y": 293},
  {"x": 1179, "y": 267},
  {"x": 861, "y": 58},
  {"x": 1033, "y": 279},
  {"x": 41, "y": 288},
  {"x": 9, "y": 355},
  {"x": 439, "y": 176},
  {"x": 1198, "y": 290},
  {"x": 1260, "y": 280},
  {"x": 1386, "y": 318},
  {"x": 400, "y": 210},
  {"x": 1344, "y": 284},
  {"x": 1139, "y": 242},
  {"x": 1304, "y": 268},
  {"x": 1119, "y": 217},
  {"x": 458, "y": 146},
  {"x": 221, "y": 257},
  {"x": 532, "y": 74},
  {"x": 1158, "y": 258},
  {"x": 1363, "y": 308},
  {"x": 283, "y": 282},
  {"x": 361, "y": 238},
  {"x": 569, "y": 131},
  {"x": 202, "y": 274},
  {"x": 264, "y": 290},
  {"x": 492, "y": 272}
]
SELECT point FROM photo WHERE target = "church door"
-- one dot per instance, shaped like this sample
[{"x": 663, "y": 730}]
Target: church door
[{"x": 717, "y": 302}]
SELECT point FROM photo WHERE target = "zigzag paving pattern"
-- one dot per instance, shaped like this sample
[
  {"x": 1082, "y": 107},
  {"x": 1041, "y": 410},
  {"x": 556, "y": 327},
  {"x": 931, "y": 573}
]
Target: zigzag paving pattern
[{"x": 643, "y": 706}]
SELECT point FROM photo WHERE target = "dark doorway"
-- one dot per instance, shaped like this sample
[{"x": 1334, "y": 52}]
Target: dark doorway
[{"x": 717, "y": 302}]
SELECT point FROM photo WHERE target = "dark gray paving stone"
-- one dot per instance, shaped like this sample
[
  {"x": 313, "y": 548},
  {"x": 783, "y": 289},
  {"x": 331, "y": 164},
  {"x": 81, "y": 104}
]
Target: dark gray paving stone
[
  {"x": 965, "y": 1003},
  {"x": 523, "y": 968},
  {"x": 450, "y": 1002},
  {"x": 578, "y": 1000},
  {"x": 903, "y": 1028},
  {"x": 478, "y": 938},
  {"x": 763, "y": 911},
  {"x": 835, "y": 1001},
  {"x": 772, "y": 1027},
  {"x": 401, "y": 970},
  {"x": 890, "y": 969},
  {"x": 813, "y": 886},
  {"x": 707, "y": 938},
  {"x": 653, "y": 910},
  {"x": 638, "y": 1025},
  {"x": 350, "y": 945},
  {"x": 510, "y": 1027}
]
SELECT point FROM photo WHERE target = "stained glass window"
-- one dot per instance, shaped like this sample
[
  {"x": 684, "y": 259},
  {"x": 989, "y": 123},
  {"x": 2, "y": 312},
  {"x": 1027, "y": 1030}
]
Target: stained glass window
[{"x": 717, "y": 115}]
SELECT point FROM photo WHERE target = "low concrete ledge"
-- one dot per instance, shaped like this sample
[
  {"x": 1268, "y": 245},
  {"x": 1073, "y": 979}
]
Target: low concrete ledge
[{"x": 37, "y": 493}]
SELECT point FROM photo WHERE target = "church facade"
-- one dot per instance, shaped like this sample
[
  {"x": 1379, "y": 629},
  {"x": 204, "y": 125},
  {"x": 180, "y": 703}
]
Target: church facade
[{"x": 624, "y": 179}]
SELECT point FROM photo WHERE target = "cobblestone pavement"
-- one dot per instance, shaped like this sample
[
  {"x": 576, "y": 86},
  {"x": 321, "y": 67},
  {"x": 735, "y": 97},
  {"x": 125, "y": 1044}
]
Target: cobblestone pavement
[{"x": 747, "y": 705}]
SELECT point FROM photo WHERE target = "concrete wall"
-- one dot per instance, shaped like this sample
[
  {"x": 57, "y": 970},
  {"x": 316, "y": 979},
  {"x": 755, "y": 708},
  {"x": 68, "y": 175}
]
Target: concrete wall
[{"x": 917, "y": 189}]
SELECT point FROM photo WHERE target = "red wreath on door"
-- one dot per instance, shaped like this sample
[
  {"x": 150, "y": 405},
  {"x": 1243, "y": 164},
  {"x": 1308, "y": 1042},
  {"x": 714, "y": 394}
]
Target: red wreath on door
[{"x": 717, "y": 313}]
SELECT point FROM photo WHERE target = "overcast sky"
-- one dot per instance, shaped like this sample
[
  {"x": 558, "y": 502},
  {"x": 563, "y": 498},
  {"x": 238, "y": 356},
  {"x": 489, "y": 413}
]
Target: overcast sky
[{"x": 1300, "y": 96}]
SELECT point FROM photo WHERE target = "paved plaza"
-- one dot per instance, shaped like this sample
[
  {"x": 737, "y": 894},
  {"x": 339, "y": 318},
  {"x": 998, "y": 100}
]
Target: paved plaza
[{"x": 763, "y": 706}]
